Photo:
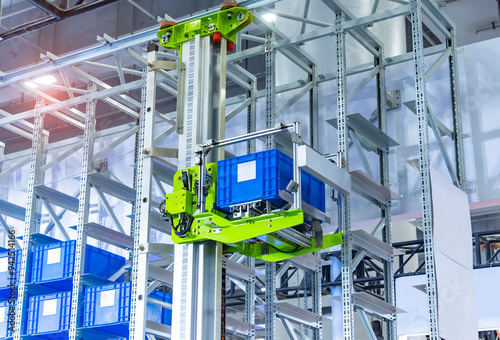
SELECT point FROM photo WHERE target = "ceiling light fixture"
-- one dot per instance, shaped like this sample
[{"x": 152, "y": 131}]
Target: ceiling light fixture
[
  {"x": 44, "y": 80},
  {"x": 269, "y": 17},
  {"x": 31, "y": 84}
]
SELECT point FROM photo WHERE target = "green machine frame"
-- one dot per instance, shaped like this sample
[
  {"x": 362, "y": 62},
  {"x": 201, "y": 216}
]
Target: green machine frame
[
  {"x": 194, "y": 219},
  {"x": 226, "y": 23},
  {"x": 242, "y": 235}
]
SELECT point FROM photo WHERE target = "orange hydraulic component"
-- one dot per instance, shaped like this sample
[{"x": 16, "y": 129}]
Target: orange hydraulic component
[{"x": 228, "y": 4}]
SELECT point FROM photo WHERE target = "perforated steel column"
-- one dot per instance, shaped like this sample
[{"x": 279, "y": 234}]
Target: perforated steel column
[
  {"x": 270, "y": 55},
  {"x": 83, "y": 212},
  {"x": 384, "y": 177},
  {"x": 144, "y": 183},
  {"x": 345, "y": 211},
  {"x": 31, "y": 221},
  {"x": 313, "y": 108},
  {"x": 427, "y": 218}
]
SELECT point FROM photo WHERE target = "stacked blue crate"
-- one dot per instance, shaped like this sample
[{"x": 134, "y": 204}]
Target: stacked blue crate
[
  {"x": 10, "y": 266},
  {"x": 7, "y": 316},
  {"x": 53, "y": 264},
  {"x": 49, "y": 315},
  {"x": 107, "y": 308},
  {"x": 260, "y": 177}
]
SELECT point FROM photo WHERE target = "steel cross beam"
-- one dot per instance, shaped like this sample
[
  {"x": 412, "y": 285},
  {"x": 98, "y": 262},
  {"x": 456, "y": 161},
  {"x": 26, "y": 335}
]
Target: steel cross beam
[
  {"x": 99, "y": 51},
  {"x": 294, "y": 53},
  {"x": 74, "y": 101},
  {"x": 363, "y": 36}
]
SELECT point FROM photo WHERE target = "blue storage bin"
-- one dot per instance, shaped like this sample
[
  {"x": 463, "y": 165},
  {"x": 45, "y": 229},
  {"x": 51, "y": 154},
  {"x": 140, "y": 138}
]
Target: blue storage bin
[
  {"x": 55, "y": 261},
  {"x": 5, "y": 272},
  {"x": 5, "y": 326},
  {"x": 108, "y": 307},
  {"x": 260, "y": 176},
  {"x": 49, "y": 314}
]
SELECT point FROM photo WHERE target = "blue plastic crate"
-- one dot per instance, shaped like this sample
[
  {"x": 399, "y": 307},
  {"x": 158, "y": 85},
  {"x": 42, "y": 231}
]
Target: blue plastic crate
[
  {"x": 49, "y": 314},
  {"x": 5, "y": 271},
  {"x": 55, "y": 261},
  {"x": 5, "y": 325},
  {"x": 260, "y": 176},
  {"x": 108, "y": 307}
]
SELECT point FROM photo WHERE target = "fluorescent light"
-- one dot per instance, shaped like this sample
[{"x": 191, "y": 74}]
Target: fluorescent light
[
  {"x": 31, "y": 84},
  {"x": 263, "y": 289},
  {"x": 45, "y": 80},
  {"x": 269, "y": 17}
]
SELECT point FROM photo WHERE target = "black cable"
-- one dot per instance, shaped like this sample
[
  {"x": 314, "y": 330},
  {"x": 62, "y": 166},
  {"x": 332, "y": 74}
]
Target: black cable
[
  {"x": 286, "y": 252},
  {"x": 162, "y": 208},
  {"x": 183, "y": 226}
]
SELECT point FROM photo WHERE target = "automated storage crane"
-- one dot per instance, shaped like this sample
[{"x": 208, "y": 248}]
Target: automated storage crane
[{"x": 249, "y": 203}]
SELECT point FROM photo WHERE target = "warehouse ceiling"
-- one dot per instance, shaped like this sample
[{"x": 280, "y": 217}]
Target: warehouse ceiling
[{"x": 74, "y": 30}]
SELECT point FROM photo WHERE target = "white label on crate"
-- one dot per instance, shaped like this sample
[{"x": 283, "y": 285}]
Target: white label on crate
[
  {"x": 54, "y": 256},
  {"x": 4, "y": 264},
  {"x": 2, "y": 314},
  {"x": 107, "y": 298},
  {"x": 49, "y": 307},
  {"x": 247, "y": 171}
]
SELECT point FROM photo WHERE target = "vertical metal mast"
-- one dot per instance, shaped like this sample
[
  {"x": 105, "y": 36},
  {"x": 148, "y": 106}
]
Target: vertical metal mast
[
  {"x": 384, "y": 177},
  {"x": 144, "y": 181},
  {"x": 427, "y": 219},
  {"x": 313, "y": 108},
  {"x": 83, "y": 211},
  {"x": 270, "y": 308},
  {"x": 345, "y": 209},
  {"x": 198, "y": 267},
  {"x": 31, "y": 222}
]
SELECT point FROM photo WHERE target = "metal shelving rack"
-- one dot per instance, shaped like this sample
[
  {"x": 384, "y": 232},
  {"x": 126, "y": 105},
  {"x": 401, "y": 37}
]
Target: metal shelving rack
[{"x": 147, "y": 276}]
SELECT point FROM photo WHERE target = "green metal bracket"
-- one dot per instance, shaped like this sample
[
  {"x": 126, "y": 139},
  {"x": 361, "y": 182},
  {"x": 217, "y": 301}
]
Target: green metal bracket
[
  {"x": 245, "y": 235},
  {"x": 213, "y": 227},
  {"x": 273, "y": 254},
  {"x": 227, "y": 22},
  {"x": 180, "y": 202}
]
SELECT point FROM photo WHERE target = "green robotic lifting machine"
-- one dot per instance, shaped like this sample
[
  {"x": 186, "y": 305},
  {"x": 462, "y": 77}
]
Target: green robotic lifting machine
[{"x": 191, "y": 207}]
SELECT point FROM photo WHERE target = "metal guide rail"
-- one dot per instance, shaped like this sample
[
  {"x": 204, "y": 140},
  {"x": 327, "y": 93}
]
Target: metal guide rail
[{"x": 262, "y": 231}]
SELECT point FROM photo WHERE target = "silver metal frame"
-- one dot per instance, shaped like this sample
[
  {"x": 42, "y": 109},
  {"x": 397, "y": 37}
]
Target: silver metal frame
[{"x": 276, "y": 41}]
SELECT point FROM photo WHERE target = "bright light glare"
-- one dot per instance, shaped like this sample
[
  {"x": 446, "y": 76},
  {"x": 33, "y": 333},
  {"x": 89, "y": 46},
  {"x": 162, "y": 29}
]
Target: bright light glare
[
  {"x": 269, "y": 17},
  {"x": 45, "y": 80},
  {"x": 263, "y": 289},
  {"x": 31, "y": 84}
]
